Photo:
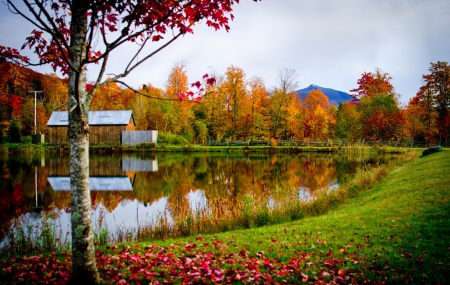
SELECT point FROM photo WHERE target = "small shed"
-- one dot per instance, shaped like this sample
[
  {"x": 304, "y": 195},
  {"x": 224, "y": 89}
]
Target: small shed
[{"x": 104, "y": 126}]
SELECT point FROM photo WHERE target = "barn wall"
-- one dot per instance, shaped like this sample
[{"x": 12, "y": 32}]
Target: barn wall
[
  {"x": 57, "y": 135},
  {"x": 130, "y": 126},
  {"x": 105, "y": 134},
  {"x": 104, "y": 166}
]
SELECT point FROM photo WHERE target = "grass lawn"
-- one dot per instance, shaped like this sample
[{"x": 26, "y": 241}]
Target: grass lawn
[{"x": 395, "y": 232}]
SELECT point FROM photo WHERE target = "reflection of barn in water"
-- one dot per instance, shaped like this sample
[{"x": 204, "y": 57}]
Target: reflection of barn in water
[{"x": 110, "y": 173}]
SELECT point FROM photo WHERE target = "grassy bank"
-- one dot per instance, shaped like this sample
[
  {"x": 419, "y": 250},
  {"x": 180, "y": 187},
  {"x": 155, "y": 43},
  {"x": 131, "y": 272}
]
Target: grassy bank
[
  {"x": 161, "y": 148},
  {"x": 396, "y": 231}
]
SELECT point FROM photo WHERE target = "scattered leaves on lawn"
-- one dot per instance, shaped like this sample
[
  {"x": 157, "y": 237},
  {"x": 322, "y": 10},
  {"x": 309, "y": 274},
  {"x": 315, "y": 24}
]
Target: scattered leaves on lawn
[{"x": 216, "y": 262}]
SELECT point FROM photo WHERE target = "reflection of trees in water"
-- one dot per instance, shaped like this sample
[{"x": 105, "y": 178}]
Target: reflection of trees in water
[{"x": 222, "y": 178}]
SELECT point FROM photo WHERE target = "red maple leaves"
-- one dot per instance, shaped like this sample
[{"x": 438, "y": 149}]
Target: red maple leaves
[
  {"x": 137, "y": 21},
  {"x": 12, "y": 55},
  {"x": 199, "y": 94}
]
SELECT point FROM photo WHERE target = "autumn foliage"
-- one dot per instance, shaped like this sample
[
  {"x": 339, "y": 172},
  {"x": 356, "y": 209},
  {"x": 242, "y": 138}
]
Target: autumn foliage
[{"x": 235, "y": 107}]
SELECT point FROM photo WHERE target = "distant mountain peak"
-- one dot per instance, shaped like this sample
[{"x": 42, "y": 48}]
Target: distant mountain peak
[{"x": 334, "y": 96}]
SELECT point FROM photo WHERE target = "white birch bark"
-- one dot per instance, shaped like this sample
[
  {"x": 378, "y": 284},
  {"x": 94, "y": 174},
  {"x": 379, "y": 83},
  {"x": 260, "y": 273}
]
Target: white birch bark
[{"x": 84, "y": 269}]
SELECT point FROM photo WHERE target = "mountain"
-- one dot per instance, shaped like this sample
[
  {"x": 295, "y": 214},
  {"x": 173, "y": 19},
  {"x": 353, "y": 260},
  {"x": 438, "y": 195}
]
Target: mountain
[{"x": 334, "y": 96}]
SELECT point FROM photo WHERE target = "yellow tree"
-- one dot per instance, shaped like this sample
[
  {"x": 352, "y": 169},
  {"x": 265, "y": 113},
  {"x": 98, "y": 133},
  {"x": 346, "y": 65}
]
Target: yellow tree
[
  {"x": 181, "y": 118},
  {"x": 235, "y": 93},
  {"x": 294, "y": 118},
  {"x": 139, "y": 105},
  {"x": 108, "y": 97},
  {"x": 55, "y": 92},
  {"x": 177, "y": 82},
  {"x": 215, "y": 109},
  {"x": 258, "y": 96}
]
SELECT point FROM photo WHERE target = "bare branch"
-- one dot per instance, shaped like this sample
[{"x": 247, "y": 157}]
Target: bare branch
[
  {"x": 159, "y": 98},
  {"x": 136, "y": 54},
  {"x": 143, "y": 94},
  {"x": 129, "y": 69}
]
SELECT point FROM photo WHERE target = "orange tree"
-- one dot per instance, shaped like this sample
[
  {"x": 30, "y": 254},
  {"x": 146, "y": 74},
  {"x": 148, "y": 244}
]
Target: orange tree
[{"x": 73, "y": 35}]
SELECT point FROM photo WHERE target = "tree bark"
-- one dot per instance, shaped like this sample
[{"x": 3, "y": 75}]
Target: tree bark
[{"x": 84, "y": 268}]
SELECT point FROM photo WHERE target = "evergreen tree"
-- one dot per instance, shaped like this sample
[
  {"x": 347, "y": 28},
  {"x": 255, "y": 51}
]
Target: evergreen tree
[
  {"x": 14, "y": 132},
  {"x": 1, "y": 134}
]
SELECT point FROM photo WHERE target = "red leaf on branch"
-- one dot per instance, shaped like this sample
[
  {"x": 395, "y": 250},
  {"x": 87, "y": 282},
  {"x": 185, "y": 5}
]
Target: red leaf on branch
[
  {"x": 157, "y": 38},
  {"x": 196, "y": 84}
]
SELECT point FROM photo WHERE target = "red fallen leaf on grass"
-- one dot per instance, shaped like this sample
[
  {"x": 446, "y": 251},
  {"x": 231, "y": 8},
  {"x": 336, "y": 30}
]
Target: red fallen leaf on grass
[
  {"x": 305, "y": 277},
  {"x": 332, "y": 262},
  {"x": 243, "y": 253},
  {"x": 269, "y": 265},
  {"x": 188, "y": 247},
  {"x": 406, "y": 255}
]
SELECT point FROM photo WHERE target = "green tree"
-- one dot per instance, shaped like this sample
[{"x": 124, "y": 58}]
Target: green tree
[
  {"x": 14, "y": 132},
  {"x": 348, "y": 125},
  {"x": 201, "y": 132}
]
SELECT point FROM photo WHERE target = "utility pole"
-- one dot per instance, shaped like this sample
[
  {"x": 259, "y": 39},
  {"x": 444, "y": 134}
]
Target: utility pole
[{"x": 35, "y": 92}]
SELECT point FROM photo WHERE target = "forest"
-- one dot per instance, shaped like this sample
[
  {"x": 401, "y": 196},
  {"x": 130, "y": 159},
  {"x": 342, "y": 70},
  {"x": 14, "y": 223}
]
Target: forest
[{"x": 239, "y": 108}]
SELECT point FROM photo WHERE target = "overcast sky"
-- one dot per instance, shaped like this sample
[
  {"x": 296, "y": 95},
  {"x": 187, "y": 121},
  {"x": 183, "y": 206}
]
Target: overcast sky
[{"x": 329, "y": 43}]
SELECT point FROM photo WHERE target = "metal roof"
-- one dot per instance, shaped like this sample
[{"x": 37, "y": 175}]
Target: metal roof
[
  {"x": 100, "y": 118},
  {"x": 137, "y": 164},
  {"x": 61, "y": 183}
]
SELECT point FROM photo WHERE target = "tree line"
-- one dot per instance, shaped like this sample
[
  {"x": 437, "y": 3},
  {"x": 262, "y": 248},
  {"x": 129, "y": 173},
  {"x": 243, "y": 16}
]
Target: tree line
[{"x": 236, "y": 107}]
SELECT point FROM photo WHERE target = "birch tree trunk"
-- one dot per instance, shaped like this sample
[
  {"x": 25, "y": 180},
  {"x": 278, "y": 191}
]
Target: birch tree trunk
[{"x": 84, "y": 269}]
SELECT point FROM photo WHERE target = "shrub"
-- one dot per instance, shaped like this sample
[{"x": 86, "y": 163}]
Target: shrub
[{"x": 171, "y": 139}]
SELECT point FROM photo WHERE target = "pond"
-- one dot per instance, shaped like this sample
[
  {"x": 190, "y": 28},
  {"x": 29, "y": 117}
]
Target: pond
[{"x": 130, "y": 190}]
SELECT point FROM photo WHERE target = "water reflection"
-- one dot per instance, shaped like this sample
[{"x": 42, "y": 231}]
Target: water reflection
[{"x": 128, "y": 190}]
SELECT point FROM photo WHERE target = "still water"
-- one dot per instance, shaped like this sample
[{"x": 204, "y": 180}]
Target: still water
[{"x": 129, "y": 189}]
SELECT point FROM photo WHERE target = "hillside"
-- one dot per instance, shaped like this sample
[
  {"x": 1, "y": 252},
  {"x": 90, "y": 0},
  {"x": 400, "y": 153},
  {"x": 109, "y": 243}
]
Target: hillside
[{"x": 334, "y": 96}]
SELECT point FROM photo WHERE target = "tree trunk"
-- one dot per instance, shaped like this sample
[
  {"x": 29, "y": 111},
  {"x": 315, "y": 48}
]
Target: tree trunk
[
  {"x": 277, "y": 119},
  {"x": 84, "y": 268}
]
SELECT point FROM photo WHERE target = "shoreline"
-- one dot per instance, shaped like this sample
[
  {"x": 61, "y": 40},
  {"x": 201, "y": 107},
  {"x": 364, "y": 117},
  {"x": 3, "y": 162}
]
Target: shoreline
[{"x": 151, "y": 148}]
